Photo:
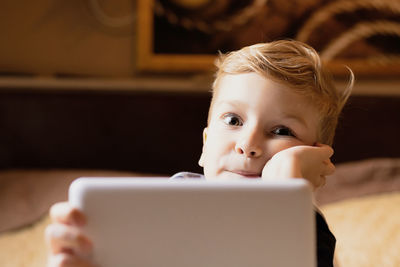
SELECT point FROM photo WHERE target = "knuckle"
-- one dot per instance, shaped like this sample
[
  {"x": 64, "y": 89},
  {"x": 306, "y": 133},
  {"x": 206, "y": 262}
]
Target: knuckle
[
  {"x": 59, "y": 211},
  {"x": 53, "y": 211},
  {"x": 62, "y": 233},
  {"x": 333, "y": 168},
  {"x": 69, "y": 260},
  {"x": 322, "y": 181},
  {"x": 65, "y": 260},
  {"x": 60, "y": 260},
  {"x": 50, "y": 233}
]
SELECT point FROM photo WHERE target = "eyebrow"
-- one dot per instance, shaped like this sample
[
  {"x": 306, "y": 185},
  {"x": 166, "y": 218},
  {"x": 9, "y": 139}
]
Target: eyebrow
[
  {"x": 234, "y": 103},
  {"x": 295, "y": 117}
]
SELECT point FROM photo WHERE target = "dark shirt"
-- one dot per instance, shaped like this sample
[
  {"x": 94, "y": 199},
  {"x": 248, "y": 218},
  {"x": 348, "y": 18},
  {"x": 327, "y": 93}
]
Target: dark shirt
[{"x": 326, "y": 242}]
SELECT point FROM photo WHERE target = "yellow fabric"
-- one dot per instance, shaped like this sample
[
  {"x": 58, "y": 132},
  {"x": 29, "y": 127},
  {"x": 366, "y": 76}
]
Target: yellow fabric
[
  {"x": 25, "y": 247},
  {"x": 367, "y": 230}
]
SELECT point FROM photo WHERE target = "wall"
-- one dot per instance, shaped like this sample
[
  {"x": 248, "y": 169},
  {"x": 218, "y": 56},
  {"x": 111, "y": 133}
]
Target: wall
[
  {"x": 55, "y": 37},
  {"x": 71, "y": 96}
]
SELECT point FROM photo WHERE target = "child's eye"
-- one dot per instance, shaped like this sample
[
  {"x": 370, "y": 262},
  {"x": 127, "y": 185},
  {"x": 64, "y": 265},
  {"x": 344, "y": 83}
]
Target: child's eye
[
  {"x": 232, "y": 119},
  {"x": 284, "y": 131}
]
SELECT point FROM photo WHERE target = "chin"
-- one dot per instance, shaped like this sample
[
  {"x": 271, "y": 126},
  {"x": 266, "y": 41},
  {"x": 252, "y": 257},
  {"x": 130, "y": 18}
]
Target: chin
[{"x": 230, "y": 176}]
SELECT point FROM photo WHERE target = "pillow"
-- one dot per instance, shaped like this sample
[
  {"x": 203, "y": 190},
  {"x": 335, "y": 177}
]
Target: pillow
[
  {"x": 25, "y": 195},
  {"x": 24, "y": 247},
  {"x": 361, "y": 178},
  {"x": 366, "y": 230}
]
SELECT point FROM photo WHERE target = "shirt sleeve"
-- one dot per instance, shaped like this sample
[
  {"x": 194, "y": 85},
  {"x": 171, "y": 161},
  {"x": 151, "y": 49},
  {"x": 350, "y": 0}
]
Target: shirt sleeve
[
  {"x": 326, "y": 242},
  {"x": 187, "y": 175}
]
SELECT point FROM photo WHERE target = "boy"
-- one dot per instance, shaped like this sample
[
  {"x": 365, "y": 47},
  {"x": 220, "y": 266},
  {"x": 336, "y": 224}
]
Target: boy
[{"x": 273, "y": 115}]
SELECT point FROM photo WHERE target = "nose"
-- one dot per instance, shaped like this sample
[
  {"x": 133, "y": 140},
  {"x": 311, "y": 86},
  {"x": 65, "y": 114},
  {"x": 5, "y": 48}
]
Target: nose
[{"x": 250, "y": 144}]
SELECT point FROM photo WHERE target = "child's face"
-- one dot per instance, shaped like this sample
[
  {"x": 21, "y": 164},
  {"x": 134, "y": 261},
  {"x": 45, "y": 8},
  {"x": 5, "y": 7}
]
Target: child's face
[{"x": 252, "y": 119}]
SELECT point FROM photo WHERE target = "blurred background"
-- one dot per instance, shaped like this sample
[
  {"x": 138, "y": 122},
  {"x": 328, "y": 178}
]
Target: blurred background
[{"x": 122, "y": 88}]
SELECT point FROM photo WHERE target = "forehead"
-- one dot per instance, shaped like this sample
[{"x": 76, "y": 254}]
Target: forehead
[{"x": 255, "y": 90}]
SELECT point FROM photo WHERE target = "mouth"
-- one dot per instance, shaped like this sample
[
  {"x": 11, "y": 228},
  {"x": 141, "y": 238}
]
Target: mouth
[{"x": 247, "y": 174}]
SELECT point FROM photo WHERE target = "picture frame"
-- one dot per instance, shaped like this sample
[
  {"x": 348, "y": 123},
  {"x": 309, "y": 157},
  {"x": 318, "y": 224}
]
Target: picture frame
[
  {"x": 152, "y": 58},
  {"x": 157, "y": 62}
]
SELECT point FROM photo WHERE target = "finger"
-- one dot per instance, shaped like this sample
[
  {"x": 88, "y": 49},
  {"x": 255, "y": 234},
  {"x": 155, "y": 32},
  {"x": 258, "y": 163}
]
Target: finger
[
  {"x": 68, "y": 260},
  {"x": 62, "y": 212},
  {"x": 321, "y": 181},
  {"x": 316, "y": 182},
  {"x": 328, "y": 150},
  {"x": 62, "y": 238},
  {"x": 329, "y": 168}
]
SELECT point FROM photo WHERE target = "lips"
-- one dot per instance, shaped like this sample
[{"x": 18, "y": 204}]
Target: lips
[{"x": 247, "y": 174}]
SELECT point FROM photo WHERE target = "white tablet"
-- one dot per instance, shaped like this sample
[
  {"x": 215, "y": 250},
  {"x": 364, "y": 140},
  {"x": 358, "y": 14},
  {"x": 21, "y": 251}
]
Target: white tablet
[{"x": 157, "y": 222}]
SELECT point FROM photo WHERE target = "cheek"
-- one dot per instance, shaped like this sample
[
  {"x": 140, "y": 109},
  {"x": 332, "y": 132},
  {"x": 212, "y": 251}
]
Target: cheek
[
  {"x": 217, "y": 147},
  {"x": 279, "y": 145},
  {"x": 220, "y": 141}
]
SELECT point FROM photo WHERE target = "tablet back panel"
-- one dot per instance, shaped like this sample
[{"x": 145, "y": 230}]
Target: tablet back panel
[{"x": 197, "y": 223}]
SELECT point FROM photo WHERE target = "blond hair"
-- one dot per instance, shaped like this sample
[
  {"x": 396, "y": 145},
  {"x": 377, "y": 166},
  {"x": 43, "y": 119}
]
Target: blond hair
[{"x": 296, "y": 65}]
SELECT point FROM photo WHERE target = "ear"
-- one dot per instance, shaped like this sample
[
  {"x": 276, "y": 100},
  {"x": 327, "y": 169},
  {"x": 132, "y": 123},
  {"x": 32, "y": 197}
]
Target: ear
[
  {"x": 201, "y": 160},
  {"x": 205, "y": 135}
]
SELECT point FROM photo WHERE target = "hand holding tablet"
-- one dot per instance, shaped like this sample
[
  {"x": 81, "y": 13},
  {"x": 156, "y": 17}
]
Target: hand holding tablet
[{"x": 159, "y": 222}]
